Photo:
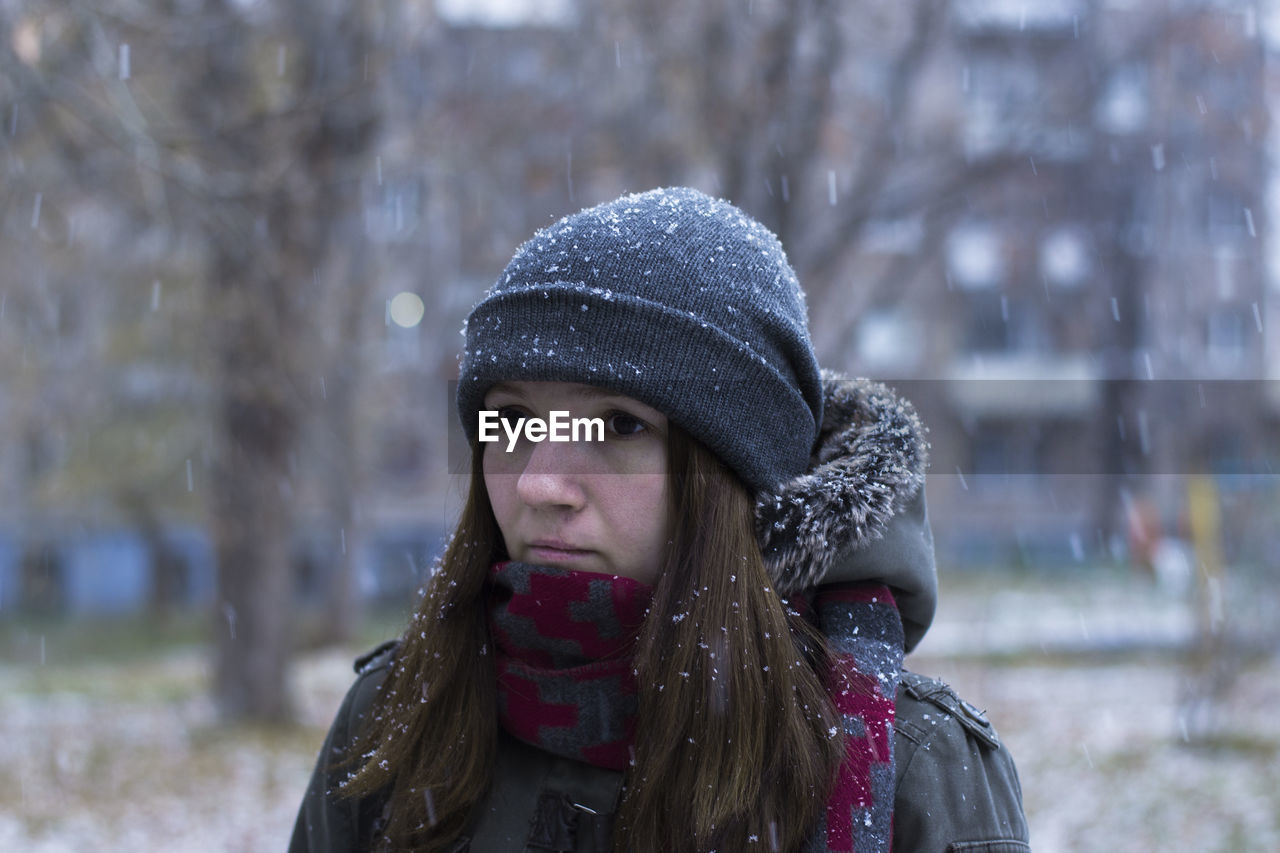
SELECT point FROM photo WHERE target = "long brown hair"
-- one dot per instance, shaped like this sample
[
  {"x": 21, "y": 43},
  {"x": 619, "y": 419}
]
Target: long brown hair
[{"x": 736, "y": 737}]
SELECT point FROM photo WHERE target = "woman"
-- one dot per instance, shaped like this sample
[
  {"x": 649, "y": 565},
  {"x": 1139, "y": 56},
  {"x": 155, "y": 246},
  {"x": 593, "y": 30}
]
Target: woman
[{"x": 683, "y": 630}]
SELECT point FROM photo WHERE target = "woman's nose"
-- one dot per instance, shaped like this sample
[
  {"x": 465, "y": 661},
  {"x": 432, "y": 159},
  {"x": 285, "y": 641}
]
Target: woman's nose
[{"x": 550, "y": 477}]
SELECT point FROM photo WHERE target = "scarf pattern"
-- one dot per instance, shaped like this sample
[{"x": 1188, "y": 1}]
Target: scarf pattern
[
  {"x": 564, "y": 642},
  {"x": 864, "y": 631}
]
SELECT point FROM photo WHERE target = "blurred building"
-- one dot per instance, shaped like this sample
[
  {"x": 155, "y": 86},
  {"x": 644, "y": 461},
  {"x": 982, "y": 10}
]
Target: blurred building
[
  {"x": 1100, "y": 324},
  {"x": 1089, "y": 327}
]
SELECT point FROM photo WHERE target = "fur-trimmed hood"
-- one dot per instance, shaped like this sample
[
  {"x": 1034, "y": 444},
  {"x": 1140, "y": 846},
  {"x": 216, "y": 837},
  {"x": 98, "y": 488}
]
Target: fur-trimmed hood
[{"x": 858, "y": 514}]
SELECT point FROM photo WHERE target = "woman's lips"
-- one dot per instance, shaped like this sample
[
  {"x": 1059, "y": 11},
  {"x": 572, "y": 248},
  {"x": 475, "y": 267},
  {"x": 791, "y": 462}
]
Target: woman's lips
[{"x": 544, "y": 551}]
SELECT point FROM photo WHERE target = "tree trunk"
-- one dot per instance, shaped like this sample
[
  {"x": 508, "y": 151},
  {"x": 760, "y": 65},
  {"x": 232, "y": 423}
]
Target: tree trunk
[
  {"x": 258, "y": 420},
  {"x": 1118, "y": 427},
  {"x": 281, "y": 182}
]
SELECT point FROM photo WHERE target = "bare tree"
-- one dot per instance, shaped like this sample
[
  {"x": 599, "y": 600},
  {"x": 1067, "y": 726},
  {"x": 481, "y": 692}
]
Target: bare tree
[
  {"x": 241, "y": 128},
  {"x": 288, "y": 171}
]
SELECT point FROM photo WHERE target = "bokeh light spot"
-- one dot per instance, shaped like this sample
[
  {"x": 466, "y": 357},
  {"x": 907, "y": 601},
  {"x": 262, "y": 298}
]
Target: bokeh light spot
[{"x": 407, "y": 309}]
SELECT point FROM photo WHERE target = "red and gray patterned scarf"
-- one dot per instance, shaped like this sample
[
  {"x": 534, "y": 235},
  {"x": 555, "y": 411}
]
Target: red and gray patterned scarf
[{"x": 564, "y": 642}]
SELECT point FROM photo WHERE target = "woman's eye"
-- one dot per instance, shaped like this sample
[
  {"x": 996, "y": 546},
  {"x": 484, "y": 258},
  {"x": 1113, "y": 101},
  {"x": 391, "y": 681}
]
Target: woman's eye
[
  {"x": 510, "y": 415},
  {"x": 620, "y": 423}
]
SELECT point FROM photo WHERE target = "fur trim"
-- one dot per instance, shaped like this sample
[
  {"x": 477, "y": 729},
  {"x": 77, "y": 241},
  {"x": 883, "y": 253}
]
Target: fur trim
[{"x": 869, "y": 461}]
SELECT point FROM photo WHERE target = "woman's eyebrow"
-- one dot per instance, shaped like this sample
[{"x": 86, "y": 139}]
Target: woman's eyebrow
[
  {"x": 592, "y": 392},
  {"x": 504, "y": 388},
  {"x": 583, "y": 392}
]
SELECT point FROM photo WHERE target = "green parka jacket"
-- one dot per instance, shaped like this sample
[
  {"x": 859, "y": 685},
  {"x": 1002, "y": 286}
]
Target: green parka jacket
[
  {"x": 956, "y": 788},
  {"x": 858, "y": 515}
]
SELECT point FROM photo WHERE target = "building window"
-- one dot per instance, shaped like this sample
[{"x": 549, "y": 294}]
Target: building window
[
  {"x": 1003, "y": 100},
  {"x": 1124, "y": 106},
  {"x": 1047, "y": 17},
  {"x": 1226, "y": 217},
  {"x": 1225, "y": 343},
  {"x": 975, "y": 257},
  {"x": 507, "y": 14},
  {"x": 888, "y": 340},
  {"x": 986, "y": 328},
  {"x": 996, "y": 323},
  {"x": 1000, "y": 448},
  {"x": 1226, "y": 448},
  {"x": 1065, "y": 258}
]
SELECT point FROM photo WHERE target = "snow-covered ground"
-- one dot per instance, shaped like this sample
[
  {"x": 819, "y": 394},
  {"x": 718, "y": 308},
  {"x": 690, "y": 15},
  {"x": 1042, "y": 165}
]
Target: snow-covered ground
[
  {"x": 1104, "y": 765},
  {"x": 1086, "y": 683},
  {"x": 128, "y": 756}
]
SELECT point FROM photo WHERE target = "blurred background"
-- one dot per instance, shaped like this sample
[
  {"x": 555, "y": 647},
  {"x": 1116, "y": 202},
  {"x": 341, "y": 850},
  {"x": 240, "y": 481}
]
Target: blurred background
[{"x": 239, "y": 239}]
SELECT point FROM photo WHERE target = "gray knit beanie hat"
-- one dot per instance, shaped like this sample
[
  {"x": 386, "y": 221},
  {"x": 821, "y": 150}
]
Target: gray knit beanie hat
[{"x": 671, "y": 297}]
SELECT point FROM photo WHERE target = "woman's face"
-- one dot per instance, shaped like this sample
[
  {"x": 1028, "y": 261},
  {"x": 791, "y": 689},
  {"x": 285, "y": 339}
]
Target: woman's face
[{"x": 590, "y": 505}]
